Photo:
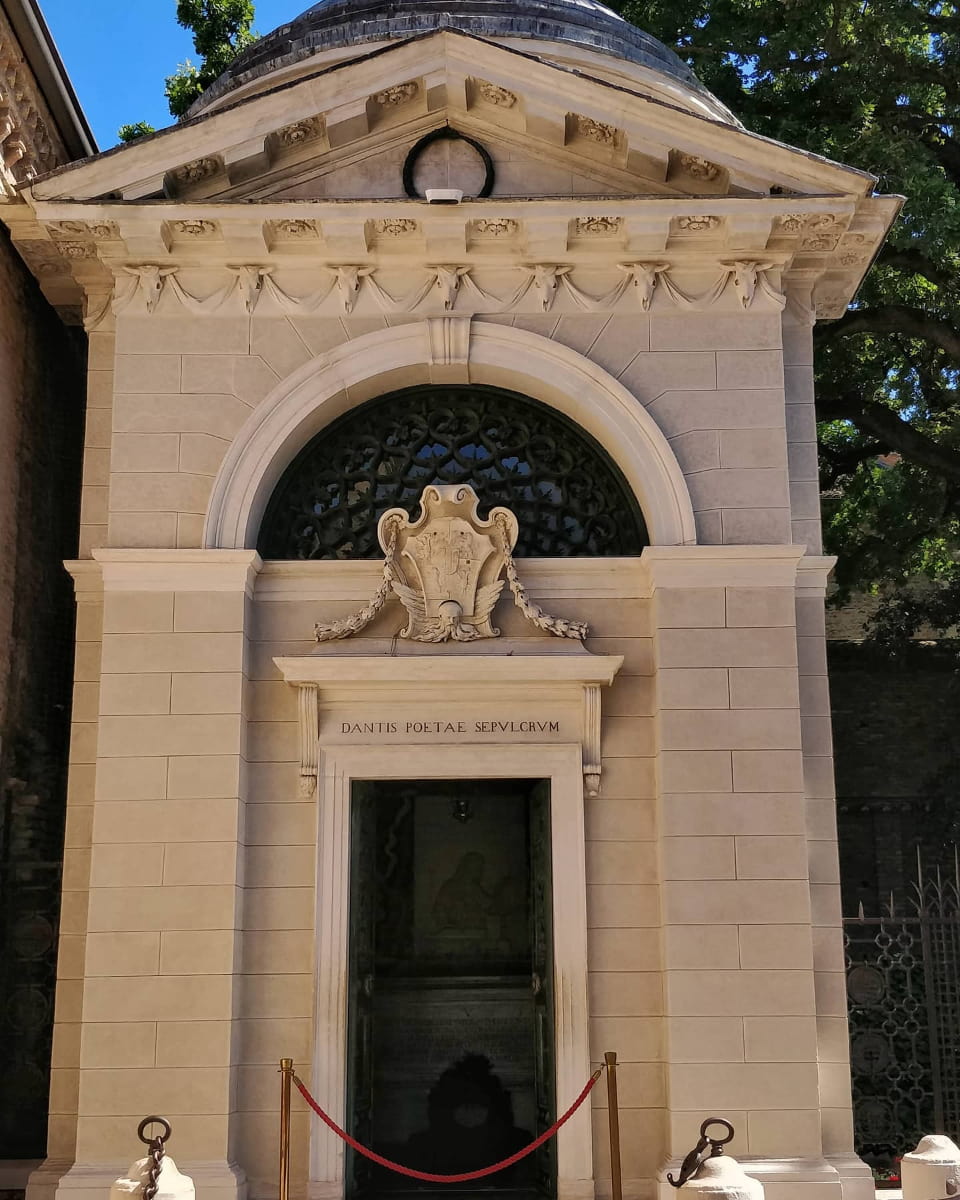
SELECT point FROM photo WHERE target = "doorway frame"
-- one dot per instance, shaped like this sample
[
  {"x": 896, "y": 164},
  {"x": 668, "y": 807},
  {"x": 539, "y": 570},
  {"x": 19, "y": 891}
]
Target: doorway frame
[{"x": 562, "y": 765}]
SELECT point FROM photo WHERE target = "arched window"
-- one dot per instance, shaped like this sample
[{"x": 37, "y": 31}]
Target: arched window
[{"x": 570, "y": 499}]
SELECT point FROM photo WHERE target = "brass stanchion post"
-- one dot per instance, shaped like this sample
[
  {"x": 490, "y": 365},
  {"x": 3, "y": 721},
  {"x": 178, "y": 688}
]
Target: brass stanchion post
[
  {"x": 286, "y": 1078},
  {"x": 613, "y": 1113}
]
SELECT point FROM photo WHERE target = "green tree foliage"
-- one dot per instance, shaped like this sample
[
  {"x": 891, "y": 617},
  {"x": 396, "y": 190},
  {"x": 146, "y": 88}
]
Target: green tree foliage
[
  {"x": 876, "y": 84},
  {"x": 139, "y": 129},
  {"x": 221, "y": 30}
]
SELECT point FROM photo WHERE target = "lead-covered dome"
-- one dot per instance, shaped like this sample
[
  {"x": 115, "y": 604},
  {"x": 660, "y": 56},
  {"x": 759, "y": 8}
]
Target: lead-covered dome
[{"x": 331, "y": 27}]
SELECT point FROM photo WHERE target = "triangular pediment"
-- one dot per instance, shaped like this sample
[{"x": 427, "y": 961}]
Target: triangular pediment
[
  {"x": 519, "y": 167},
  {"x": 359, "y": 118},
  {"x": 323, "y": 168}
]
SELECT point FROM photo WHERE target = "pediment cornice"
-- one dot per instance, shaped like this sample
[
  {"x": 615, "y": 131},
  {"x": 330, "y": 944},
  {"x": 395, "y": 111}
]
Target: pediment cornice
[
  {"x": 676, "y": 192},
  {"x": 30, "y": 143},
  {"x": 390, "y": 257},
  {"x": 448, "y": 77}
]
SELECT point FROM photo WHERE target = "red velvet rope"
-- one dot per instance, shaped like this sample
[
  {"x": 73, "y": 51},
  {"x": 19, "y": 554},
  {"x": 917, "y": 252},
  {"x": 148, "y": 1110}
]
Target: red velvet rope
[{"x": 468, "y": 1175}]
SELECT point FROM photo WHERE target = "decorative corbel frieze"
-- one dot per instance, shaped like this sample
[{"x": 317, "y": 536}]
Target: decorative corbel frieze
[
  {"x": 447, "y": 284},
  {"x": 147, "y": 280},
  {"x": 442, "y": 285},
  {"x": 29, "y": 144},
  {"x": 299, "y": 133},
  {"x": 396, "y": 227},
  {"x": 196, "y": 171},
  {"x": 495, "y": 227},
  {"x": 696, "y": 223},
  {"x": 492, "y": 93},
  {"x": 698, "y": 168},
  {"x": 399, "y": 94},
  {"x": 546, "y": 279},
  {"x": 597, "y": 226},
  {"x": 308, "y": 710},
  {"x": 748, "y": 277},
  {"x": 595, "y": 131},
  {"x": 348, "y": 284}
]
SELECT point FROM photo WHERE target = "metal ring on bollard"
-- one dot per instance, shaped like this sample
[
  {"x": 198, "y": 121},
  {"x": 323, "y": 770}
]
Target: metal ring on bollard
[
  {"x": 696, "y": 1156},
  {"x": 153, "y": 1121},
  {"x": 717, "y": 1142}
]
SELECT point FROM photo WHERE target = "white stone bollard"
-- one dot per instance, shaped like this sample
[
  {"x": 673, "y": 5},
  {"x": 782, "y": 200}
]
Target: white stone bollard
[
  {"x": 722, "y": 1178},
  {"x": 932, "y": 1171},
  {"x": 172, "y": 1185}
]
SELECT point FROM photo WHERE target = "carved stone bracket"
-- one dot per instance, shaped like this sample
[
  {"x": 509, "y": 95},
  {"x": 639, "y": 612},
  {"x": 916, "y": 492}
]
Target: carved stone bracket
[
  {"x": 309, "y": 715},
  {"x": 591, "y": 739}
]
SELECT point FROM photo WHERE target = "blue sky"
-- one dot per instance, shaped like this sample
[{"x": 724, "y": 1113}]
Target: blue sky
[{"x": 118, "y": 53}]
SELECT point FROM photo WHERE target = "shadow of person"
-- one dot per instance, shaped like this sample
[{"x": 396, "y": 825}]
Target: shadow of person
[{"x": 470, "y": 1126}]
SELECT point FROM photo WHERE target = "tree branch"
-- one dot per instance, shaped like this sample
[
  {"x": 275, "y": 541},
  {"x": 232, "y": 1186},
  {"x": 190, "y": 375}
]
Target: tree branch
[
  {"x": 835, "y": 463},
  {"x": 883, "y": 423},
  {"x": 895, "y": 318},
  {"x": 914, "y": 262}
]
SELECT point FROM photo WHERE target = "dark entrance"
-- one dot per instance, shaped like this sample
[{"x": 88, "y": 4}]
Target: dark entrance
[{"x": 450, "y": 1005}]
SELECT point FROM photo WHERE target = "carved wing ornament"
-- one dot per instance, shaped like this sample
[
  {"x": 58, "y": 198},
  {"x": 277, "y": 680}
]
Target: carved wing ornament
[{"x": 448, "y": 568}]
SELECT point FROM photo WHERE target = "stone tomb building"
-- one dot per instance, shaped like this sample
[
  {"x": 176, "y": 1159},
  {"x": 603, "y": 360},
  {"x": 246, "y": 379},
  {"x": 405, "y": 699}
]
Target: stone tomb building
[{"x": 380, "y": 855}]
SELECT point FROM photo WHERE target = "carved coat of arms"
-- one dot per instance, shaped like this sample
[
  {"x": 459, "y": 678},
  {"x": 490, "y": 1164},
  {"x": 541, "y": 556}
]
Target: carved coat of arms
[{"x": 448, "y": 569}]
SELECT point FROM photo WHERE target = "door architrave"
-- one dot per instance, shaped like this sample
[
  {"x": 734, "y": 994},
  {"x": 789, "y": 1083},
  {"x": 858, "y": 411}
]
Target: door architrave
[{"x": 561, "y": 764}]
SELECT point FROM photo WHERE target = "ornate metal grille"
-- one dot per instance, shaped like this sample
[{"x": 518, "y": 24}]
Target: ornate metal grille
[
  {"x": 571, "y": 500},
  {"x": 903, "y": 993}
]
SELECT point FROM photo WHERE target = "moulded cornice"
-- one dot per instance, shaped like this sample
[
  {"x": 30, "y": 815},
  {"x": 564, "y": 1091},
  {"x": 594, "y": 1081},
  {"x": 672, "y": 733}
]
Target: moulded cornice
[
  {"x": 30, "y": 143},
  {"x": 346, "y": 96},
  {"x": 303, "y": 256},
  {"x": 813, "y": 573},
  {"x": 672, "y": 186},
  {"x": 178, "y": 570},
  {"x": 720, "y": 566},
  {"x": 87, "y": 579},
  {"x": 587, "y": 578},
  {"x": 535, "y": 676},
  {"x": 502, "y": 663}
]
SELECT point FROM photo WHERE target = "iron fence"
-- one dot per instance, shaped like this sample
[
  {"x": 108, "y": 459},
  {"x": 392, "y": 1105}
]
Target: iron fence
[{"x": 903, "y": 997}]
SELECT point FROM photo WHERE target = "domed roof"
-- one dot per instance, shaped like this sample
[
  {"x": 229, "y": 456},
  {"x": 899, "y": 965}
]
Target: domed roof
[{"x": 334, "y": 24}]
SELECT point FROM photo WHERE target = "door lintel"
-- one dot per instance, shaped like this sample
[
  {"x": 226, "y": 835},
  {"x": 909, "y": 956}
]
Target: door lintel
[{"x": 372, "y": 693}]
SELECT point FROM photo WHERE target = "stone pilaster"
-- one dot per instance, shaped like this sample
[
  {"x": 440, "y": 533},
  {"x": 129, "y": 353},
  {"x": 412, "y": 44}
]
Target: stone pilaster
[
  {"x": 160, "y": 971},
  {"x": 738, "y": 937}
]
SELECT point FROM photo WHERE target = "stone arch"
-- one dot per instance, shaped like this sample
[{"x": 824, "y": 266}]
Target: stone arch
[{"x": 442, "y": 349}]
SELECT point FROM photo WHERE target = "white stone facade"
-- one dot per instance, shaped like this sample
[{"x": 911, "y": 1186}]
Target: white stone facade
[{"x": 203, "y": 917}]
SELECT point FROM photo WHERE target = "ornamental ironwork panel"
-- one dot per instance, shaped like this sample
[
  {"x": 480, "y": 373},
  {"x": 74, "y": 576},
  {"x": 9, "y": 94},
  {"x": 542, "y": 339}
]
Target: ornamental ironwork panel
[
  {"x": 571, "y": 500},
  {"x": 903, "y": 1000}
]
